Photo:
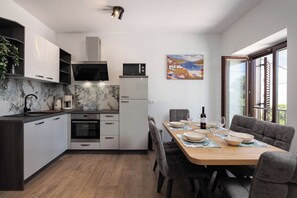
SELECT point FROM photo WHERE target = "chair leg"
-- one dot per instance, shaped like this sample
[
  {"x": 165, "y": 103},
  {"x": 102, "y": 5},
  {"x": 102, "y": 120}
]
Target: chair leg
[
  {"x": 160, "y": 182},
  {"x": 169, "y": 188},
  {"x": 193, "y": 188},
  {"x": 202, "y": 187},
  {"x": 155, "y": 165}
]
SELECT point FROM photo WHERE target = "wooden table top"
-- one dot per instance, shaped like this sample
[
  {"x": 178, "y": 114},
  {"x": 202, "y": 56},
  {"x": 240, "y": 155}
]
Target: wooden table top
[{"x": 225, "y": 155}]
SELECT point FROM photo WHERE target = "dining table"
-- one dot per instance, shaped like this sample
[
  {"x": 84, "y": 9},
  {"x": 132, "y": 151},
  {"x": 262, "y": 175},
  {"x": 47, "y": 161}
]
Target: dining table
[{"x": 219, "y": 152}]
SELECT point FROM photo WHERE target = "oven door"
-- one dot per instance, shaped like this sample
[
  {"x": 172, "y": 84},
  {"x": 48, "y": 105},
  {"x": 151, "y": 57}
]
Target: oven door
[{"x": 85, "y": 129}]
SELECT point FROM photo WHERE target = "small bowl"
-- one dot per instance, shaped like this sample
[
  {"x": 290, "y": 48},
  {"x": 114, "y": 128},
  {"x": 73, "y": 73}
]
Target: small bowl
[
  {"x": 233, "y": 141},
  {"x": 194, "y": 136},
  {"x": 202, "y": 131},
  {"x": 177, "y": 124},
  {"x": 246, "y": 138}
]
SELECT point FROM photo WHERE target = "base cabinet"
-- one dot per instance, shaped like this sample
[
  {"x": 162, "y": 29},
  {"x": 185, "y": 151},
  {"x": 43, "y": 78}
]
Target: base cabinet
[
  {"x": 37, "y": 146},
  {"x": 109, "y": 131},
  {"x": 59, "y": 135}
]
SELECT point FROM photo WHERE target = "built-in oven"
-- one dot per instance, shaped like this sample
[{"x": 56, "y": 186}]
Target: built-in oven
[{"x": 85, "y": 127}]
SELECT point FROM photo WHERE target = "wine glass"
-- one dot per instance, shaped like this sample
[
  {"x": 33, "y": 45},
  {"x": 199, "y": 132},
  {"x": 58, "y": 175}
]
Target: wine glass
[
  {"x": 189, "y": 118},
  {"x": 221, "y": 121}
]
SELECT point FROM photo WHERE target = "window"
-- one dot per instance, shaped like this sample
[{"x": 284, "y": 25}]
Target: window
[{"x": 256, "y": 85}]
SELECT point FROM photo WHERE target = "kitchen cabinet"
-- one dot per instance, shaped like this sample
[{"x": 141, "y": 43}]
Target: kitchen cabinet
[
  {"x": 59, "y": 135},
  {"x": 65, "y": 69},
  {"x": 109, "y": 131},
  {"x": 14, "y": 33},
  {"x": 41, "y": 58},
  {"x": 37, "y": 146}
]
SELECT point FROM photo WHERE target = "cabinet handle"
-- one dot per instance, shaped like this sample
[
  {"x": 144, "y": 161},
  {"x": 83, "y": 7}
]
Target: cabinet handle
[
  {"x": 109, "y": 116},
  {"x": 124, "y": 101},
  {"x": 124, "y": 96},
  {"x": 109, "y": 123},
  {"x": 109, "y": 138},
  {"x": 39, "y": 123},
  {"x": 39, "y": 76},
  {"x": 85, "y": 144},
  {"x": 57, "y": 118},
  {"x": 49, "y": 78}
]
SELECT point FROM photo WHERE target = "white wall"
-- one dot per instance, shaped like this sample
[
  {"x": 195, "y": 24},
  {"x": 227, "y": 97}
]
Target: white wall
[
  {"x": 152, "y": 49},
  {"x": 10, "y": 10},
  {"x": 269, "y": 17}
]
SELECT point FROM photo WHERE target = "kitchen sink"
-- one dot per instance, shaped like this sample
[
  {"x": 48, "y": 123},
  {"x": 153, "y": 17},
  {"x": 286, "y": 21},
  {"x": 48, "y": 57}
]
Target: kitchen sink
[
  {"x": 34, "y": 113},
  {"x": 26, "y": 115}
]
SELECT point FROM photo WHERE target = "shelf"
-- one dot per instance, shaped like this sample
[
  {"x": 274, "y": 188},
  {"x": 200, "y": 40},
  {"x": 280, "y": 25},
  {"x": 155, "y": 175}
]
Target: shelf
[
  {"x": 15, "y": 33},
  {"x": 64, "y": 61},
  {"x": 64, "y": 72}
]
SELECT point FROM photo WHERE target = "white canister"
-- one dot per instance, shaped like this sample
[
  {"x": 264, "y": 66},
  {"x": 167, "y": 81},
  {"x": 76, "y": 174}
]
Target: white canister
[{"x": 58, "y": 104}]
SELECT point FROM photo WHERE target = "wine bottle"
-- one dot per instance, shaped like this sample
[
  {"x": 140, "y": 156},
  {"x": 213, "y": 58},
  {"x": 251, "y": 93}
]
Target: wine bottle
[{"x": 203, "y": 119}]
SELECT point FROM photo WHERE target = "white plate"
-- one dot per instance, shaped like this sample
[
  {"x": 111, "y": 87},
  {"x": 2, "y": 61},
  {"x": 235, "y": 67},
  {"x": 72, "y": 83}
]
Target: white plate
[
  {"x": 194, "y": 141},
  {"x": 177, "y": 124},
  {"x": 194, "y": 136}
]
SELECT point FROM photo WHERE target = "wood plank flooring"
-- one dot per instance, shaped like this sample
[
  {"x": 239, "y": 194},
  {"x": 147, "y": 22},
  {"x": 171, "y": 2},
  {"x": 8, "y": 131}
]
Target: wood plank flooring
[{"x": 99, "y": 175}]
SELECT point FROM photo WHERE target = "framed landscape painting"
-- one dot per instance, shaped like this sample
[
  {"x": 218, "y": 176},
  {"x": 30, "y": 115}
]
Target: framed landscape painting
[{"x": 185, "y": 67}]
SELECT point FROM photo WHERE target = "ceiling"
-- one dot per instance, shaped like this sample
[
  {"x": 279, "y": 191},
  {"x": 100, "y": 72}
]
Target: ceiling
[{"x": 191, "y": 16}]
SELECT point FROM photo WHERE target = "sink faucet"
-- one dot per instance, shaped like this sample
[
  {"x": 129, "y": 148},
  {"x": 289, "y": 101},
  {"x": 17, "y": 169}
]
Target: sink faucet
[{"x": 26, "y": 109}]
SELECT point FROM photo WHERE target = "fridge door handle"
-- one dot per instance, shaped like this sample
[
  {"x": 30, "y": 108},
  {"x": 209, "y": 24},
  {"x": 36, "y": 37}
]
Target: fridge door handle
[
  {"x": 124, "y": 96},
  {"x": 124, "y": 101}
]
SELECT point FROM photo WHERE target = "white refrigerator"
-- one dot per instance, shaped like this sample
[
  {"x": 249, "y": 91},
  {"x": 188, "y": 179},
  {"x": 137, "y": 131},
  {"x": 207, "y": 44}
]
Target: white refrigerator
[{"x": 133, "y": 113}]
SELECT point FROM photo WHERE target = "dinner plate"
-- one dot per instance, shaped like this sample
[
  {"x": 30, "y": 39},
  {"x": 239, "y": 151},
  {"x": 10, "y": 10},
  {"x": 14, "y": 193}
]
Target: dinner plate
[
  {"x": 203, "y": 131},
  {"x": 177, "y": 124},
  {"x": 244, "y": 136},
  {"x": 194, "y": 141},
  {"x": 194, "y": 136}
]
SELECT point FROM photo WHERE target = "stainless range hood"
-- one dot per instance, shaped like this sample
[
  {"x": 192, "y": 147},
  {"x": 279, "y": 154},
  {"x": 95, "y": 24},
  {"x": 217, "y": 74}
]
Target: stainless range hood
[{"x": 93, "y": 69}]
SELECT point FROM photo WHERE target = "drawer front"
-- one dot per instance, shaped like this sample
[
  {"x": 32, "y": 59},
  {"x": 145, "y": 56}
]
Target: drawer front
[
  {"x": 109, "y": 128},
  {"x": 109, "y": 116},
  {"x": 85, "y": 145},
  {"x": 109, "y": 142}
]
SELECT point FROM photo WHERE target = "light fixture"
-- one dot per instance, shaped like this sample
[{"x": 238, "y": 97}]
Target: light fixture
[{"x": 117, "y": 11}]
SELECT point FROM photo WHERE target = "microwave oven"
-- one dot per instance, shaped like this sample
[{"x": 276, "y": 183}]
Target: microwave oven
[{"x": 134, "y": 69}]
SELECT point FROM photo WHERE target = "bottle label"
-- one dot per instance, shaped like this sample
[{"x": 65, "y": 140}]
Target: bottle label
[{"x": 203, "y": 120}]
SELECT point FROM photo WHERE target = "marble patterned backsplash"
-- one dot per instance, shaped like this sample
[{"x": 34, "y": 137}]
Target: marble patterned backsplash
[{"x": 91, "y": 97}]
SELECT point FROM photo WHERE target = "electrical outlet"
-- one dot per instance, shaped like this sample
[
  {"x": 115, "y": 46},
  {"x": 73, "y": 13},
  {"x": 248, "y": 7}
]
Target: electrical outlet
[{"x": 151, "y": 101}]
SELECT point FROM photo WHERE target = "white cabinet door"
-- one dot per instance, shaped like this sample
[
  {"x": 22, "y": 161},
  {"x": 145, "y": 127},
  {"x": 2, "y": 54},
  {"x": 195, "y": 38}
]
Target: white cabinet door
[
  {"x": 59, "y": 135},
  {"x": 37, "y": 146},
  {"x": 34, "y": 55},
  {"x": 133, "y": 88},
  {"x": 109, "y": 127},
  {"x": 41, "y": 58},
  {"x": 133, "y": 125},
  {"x": 52, "y": 53},
  {"x": 109, "y": 142}
]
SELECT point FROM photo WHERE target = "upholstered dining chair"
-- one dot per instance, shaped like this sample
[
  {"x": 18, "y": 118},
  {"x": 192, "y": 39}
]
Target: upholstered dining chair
[
  {"x": 275, "y": 176},
  {"x": 178, "y": 114},
  {"x": 169, "y": 147},
  {"x": 271, "y": 133},
  {"x": 173, "y": 167}
]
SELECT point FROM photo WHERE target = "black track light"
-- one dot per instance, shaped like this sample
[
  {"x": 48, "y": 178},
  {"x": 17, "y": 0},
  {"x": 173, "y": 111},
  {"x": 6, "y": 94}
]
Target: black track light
[{"x": 117, "y": 11}]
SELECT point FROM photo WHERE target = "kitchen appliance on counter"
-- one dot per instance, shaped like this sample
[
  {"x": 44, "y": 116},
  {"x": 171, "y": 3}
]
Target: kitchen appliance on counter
[
  {"x": 134, "y": 69},
  {"x": 67, "y": 102},
  {"x": 85, "y": 131},
  {"x": 133, "y": 113}
]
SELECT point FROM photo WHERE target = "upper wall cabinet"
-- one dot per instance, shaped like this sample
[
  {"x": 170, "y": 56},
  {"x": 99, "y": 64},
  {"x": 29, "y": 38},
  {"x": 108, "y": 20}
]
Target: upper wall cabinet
[
  {"x": 41, "y": 58},
  {"x": 14, "y": 32}
]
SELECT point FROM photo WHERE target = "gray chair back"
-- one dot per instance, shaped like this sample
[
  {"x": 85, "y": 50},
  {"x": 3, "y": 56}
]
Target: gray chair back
[
  {"x": 275, "y": 176},
  {"x": 178, "y": 114},
  {"x": 159, "y": 149},
  {"x": 150, "y": 118},
  {"x": 271, "y": 133}
]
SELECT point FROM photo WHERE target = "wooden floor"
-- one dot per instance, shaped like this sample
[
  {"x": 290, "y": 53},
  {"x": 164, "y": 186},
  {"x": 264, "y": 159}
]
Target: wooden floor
[{"x": 99, "y": 175}]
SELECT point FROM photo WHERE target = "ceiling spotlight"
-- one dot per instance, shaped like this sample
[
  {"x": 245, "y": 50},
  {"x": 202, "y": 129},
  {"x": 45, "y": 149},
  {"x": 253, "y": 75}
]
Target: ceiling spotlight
[{"x": 117, "y": 11}]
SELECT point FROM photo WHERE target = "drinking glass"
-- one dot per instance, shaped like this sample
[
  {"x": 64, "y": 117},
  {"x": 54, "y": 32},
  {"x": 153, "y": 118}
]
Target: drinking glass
[
  {"x": 189, "y": 118},
  {"x": 221, "y": 121}
]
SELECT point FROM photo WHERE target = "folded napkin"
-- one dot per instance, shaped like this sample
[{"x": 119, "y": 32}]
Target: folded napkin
[{"x": 205, "y": 144}]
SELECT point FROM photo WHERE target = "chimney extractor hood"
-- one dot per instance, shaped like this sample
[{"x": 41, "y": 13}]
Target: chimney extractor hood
[{"x": 93, "y": 69}]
